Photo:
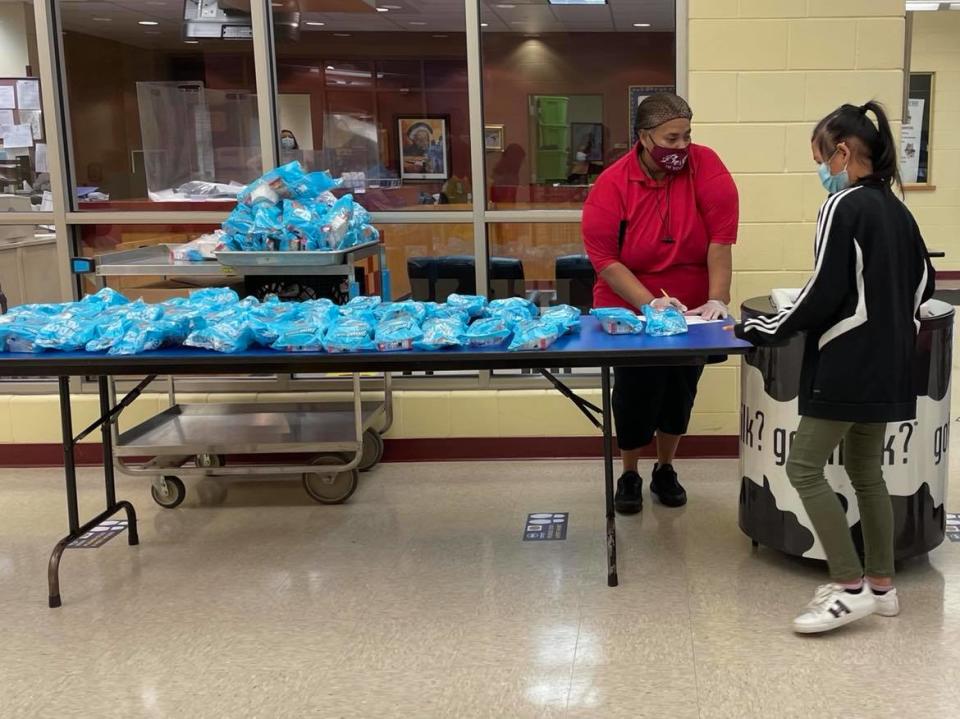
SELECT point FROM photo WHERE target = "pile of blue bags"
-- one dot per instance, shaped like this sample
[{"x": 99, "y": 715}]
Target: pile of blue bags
[
  {"x": 290, "y": 210},
  {"x": 217, "y": 319},
  {"x": 655, "y": 322}
]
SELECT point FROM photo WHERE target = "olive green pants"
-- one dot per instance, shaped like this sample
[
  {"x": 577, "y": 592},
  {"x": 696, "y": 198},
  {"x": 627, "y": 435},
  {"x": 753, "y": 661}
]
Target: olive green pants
[{"x": 862, "y": 456}]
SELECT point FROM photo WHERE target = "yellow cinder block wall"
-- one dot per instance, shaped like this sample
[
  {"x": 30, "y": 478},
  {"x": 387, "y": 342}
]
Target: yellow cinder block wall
[
  {"x": 936, "y": 49},
  {"x": 762, "y": 72}
]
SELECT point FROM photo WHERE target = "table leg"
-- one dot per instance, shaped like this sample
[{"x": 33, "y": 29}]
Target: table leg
[
  {"x": 612, "y": 578},
  {"x": 106, "y": 434},
  {"x": 70, "y": 473}
]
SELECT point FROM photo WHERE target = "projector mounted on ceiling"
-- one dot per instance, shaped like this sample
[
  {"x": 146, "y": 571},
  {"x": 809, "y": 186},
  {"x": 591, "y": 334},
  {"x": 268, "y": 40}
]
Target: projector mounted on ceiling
[{"x": 207, "y": 20}]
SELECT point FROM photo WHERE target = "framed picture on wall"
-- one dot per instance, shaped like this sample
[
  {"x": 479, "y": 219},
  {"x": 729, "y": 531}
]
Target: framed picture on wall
[
  {"x": 637, "y": 94},
  {"x": 493, "y": 138},
  {"x": 424, "y": 147}
]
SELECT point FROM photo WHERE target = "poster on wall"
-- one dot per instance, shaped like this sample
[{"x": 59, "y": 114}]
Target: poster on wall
[
  {"x": 910, "y": 140},
  {"x": 637, "y": 94},
  {"x": 424, "y": 148}
]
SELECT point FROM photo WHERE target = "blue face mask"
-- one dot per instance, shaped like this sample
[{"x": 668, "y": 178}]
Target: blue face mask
[{"x": 833, "y": 183}]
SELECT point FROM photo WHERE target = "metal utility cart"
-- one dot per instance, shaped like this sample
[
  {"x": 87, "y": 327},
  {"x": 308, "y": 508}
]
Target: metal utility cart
[
  {"x": 331, "y": 441},
  {"x": 339, "y": 439}
]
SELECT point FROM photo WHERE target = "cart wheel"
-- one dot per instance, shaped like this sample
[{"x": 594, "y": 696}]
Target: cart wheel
[
  {"x": 372, "y": 451},
  {"x": 330, "y": 488},
  {"x": 209, "y": 461},
  {"x": 168, "y": 492}
]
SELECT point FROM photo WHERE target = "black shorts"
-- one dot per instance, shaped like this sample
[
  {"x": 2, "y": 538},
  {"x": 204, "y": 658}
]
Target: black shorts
[{"x": 647, "y": 400}]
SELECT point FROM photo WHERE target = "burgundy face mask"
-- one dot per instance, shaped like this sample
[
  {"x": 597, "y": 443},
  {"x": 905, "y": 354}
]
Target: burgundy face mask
[{"x": 670, "y": 159}]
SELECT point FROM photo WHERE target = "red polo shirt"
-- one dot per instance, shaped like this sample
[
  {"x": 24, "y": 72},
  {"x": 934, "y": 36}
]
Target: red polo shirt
[{"x": 670, "y": 225}]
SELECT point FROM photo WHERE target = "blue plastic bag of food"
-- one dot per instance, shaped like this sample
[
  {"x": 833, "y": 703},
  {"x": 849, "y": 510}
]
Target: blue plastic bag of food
[
  {"x": 534, "y": 335},
  {"x": 106, "y": 297},
  {"x": 320, "y": 312},
  {"x": 229, "y": 334},
  {"x": 487, "y": 332},
  {"x": 440, "y": 333},
  {"x": 397, "y": 334},
  {"x": 239, "y": 221},
  {"x": 363, "y": 302},
  {"x": 284, "y": 182},
  {"x": 515, "y": 307},
  {"x": 299, "y": 335},
  {"x": 567, "y": 317},
  {"x": 214, "y": 297},
  {"x": 618, "y": 321},
  {"x": 446, "y": 312},
  {"x": 268, "y": 320},
  {"x": 145, "y": 336},
  {"x": 336, "y": 223},
  {"x": 665, "y": 322},
  {"x": 348, "y": 335},
  {"x": 472, "y": 304},
  {"x": 409, "y": 308},
  {"x": 20, "y": 337}
]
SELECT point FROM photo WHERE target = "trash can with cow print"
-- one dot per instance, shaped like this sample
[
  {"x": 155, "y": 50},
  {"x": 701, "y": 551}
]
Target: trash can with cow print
[{"x": 915, "y": 459}]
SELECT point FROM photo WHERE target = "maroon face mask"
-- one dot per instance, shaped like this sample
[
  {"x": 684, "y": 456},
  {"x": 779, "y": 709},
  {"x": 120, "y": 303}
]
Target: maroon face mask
[{"x": 670, "y": 159}]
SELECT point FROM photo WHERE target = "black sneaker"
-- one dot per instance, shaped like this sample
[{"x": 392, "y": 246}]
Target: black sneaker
[
  {"x": 666, "y": 486},
  {"x": 629, "y": 497}
]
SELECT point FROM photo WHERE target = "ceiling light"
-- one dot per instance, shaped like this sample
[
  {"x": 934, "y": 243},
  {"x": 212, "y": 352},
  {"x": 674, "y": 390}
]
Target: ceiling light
[
  {"x": 414, "y": 22},
  {"x": 191, "y": 42},
  {"x": 577, "y": 2},
  {"x": 102, "y": 19},
  {"x": 383, "y": 9},
  {"x": 506, "y": 7},
  {"x": 341, "y": 34},
  {"x": 331, "y": 67},
  {"x": 921, "y": 6},
  {"x": 148, "y": 22},
  {"x": 641, "y": 24},
  {"x": 316, "y": 24},
  {"x": 484, "y": 24}
]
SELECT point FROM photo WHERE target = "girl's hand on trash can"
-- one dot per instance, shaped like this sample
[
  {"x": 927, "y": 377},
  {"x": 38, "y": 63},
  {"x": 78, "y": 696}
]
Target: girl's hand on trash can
[{"x": 712, "y": 310}]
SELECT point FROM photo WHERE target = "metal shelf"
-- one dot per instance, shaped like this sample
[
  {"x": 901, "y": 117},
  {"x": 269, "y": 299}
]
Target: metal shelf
[
  {"x": 244, "y": 428},
  {"x": 155, "y": 261}
]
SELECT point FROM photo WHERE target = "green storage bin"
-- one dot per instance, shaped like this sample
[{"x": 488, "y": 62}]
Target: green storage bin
[
  {"x": 552, "y": 110},
  {"x": 554, "y": 137},
  {"x": 552, "y": 165}
]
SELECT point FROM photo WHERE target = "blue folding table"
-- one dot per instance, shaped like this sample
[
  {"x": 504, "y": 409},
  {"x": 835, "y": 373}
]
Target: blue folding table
[{"x": 590, "y": 347}]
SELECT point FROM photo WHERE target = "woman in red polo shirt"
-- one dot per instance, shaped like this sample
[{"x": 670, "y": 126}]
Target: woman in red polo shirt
[{"x": 661, "y": 219}]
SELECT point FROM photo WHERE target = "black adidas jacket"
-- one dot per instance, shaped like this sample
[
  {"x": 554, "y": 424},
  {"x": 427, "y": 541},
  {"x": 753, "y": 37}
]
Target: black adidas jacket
[{"x": 860, "y": 309}]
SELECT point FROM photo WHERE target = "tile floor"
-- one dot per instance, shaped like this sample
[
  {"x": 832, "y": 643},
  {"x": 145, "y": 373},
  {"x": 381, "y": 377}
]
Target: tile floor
[{"x": 418, "y": 599}]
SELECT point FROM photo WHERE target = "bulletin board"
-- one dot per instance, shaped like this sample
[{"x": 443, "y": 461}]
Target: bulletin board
[{"x": 22, "y": 131}]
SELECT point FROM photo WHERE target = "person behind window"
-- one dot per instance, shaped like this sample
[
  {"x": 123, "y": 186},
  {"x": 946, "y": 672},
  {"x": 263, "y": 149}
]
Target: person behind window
[
  {"x": 860, "y": 312},
  {"x": 660, "y": 220},
  {"x": 288, "y": 141}
]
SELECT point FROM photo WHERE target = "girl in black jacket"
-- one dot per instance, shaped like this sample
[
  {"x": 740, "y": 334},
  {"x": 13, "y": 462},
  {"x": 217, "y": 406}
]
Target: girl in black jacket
[{"x": 860, "y": 312}]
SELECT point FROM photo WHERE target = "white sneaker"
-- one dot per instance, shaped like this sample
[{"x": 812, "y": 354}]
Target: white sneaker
[
  {"x": 832, "y": 606},
  {"x": 888, "y": 604}
]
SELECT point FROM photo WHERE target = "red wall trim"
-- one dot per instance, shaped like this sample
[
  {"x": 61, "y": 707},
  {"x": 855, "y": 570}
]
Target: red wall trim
[
  {"x": 420, "y": 450},
  {"x": 948, "y": 274}
]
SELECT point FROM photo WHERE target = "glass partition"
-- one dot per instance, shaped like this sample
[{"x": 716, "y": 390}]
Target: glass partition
[
  {"x": 560, "y": 84},
  {"x": 379, "y": 92},
  {"x": 161, "y": 103}
]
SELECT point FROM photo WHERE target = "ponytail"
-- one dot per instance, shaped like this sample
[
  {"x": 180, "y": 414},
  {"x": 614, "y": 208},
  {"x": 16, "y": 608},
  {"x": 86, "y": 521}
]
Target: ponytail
[{"x": 851, "y": 121}]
